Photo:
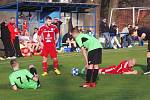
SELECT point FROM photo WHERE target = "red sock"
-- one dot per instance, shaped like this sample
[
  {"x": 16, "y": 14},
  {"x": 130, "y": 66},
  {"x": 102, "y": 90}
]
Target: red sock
[
  {"x": 44, "y": 66},
  {"x": 55, "y": 61}
]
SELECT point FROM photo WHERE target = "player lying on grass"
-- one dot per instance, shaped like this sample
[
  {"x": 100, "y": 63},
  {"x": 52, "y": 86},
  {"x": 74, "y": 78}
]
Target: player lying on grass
[
  {"x": 22, "y": 78},
  {"x": 124, "y": 67},
  {"x": 92, "y": 53}
]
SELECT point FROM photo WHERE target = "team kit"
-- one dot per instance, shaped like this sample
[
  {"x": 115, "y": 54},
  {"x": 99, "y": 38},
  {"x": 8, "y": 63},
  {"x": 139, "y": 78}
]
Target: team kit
[{"x": 91, "y": 50}]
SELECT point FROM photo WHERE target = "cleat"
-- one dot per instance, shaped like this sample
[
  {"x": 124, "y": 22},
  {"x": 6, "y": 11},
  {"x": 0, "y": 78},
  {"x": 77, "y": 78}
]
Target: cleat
[
  {"x": 85, "y": 85},
  {"x": 93, "y": 84},
  {"x": 57, "y": 71},
  {"x": 147, "y": 73},
  {"x": 44, "y": 74}
]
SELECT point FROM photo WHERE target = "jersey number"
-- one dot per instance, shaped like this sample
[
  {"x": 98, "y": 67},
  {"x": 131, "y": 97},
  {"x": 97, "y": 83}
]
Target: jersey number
[{"x": 28, "y": 78}]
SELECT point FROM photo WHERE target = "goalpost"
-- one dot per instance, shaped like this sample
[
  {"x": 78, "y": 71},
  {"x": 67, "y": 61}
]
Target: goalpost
[{"x": 128, "y": 15}]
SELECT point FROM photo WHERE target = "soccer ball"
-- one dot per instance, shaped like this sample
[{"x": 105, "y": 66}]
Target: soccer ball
[{"x": 75, "y": 71}]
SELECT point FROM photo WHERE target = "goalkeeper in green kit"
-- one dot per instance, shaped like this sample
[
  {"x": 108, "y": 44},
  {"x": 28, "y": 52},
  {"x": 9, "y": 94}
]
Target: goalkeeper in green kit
[
  {"x": 91, "y": 49},
  {"x": 22, "y": 78}
]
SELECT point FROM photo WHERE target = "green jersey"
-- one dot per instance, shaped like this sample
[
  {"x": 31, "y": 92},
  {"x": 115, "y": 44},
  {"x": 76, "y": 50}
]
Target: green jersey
[
  {"x": 87, "y": 41},
  {"x": 22, "y": 79}
]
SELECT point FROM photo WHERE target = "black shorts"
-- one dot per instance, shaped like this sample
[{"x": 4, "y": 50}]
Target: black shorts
[{"x": 95, "y": 56}]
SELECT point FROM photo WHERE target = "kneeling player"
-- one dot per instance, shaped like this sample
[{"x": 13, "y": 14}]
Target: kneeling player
[
  {"x": 125, "y": 67},
  {"x": 22, "y": 78},
  {"x": 92, "y": 57}
]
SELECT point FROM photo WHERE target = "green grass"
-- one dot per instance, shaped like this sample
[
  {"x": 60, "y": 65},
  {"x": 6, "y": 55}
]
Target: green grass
[{"x": 66, "y": 87}]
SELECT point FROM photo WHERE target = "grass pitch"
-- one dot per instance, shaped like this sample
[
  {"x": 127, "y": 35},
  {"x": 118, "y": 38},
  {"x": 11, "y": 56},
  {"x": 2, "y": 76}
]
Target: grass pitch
[{"x": 66, "y": 87}]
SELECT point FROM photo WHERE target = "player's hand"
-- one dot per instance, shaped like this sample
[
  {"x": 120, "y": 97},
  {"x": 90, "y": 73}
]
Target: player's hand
[{"x": 86, "y": 66}]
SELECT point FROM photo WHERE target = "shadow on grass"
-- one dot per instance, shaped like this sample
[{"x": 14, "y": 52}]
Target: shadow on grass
[
  {"x": 51, "y": 67},
  {"x": 4, "y": 86},
  {"x": 143, "y": 67}
]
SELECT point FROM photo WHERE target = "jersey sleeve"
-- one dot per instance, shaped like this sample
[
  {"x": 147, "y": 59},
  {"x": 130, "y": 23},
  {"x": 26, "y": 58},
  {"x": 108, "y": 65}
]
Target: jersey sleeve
[
  {"x": 56, "y": 30},
  {"x": 79, "y": 42},
  {"x": 11, "y": 79},
  {"x": 40, "y": 31},
  {"x": 28, "y": 74}
]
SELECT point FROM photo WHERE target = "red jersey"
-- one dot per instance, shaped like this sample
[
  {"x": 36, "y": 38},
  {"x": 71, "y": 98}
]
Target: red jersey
[
  {"x": 13, "y": 30},
  {"x": 123, "y": 67},
  {"x": 48, "y": 33}
]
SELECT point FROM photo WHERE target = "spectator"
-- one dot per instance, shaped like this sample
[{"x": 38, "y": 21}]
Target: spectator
[
  {"x": 57, "y": 22},
  {"x": 14, "y": 36},
  {"x": 105, "y": 32},
  {"x": 125, "y": 37},
  {"x": 5, "y": 36},
  {"x": 69, "y": 41},
  {"x": 35, "y": 35},
  {"x": 113, "y": 34},
  {"x": 90, "y": 32}
]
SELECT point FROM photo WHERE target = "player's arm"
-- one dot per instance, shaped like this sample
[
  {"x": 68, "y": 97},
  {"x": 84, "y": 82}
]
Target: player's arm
[
  {"x": 13, "y": 85},
  {"x": 57, "y": 34},
  {"x": 34, "y": 77},
  {"x": 84, "y": 53},
  {"x": 57, "y": 38},
  {"x": 131, "y": 72}
]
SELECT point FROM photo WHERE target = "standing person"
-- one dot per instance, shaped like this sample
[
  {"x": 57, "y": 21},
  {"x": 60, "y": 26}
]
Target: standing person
[
  {"x": 113, "y": 36},
  {"x": 14, "y": 36},
  {"x": 144, "y": 34},
  {"x": 5, "y": 36},
  {"x": 92, "y": 53},
  {"x": 22, "y": 78},
  {"x": 49, "y": 32},
  {"x": 105, "y": 32}
]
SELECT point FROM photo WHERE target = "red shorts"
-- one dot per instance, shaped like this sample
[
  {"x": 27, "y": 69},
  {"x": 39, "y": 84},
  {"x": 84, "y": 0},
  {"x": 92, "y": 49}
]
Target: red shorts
[
  {"x": 109, "y": 70},
  {"x": 49, "y": 49}
]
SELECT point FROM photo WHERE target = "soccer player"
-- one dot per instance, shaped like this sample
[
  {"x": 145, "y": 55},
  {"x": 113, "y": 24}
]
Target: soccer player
[
  {"x": 92, "y": 53},
  {"x": 124, "y": 67},
  {"x": 22, "y": 78},
  {"x": 50, "y": 35},
  {"x": 144, "y": 34}
]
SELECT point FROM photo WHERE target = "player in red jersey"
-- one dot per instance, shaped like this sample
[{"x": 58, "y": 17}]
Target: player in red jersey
[
  {"x": 50, "y": 35},
  {"x": 125, "y": 67}
]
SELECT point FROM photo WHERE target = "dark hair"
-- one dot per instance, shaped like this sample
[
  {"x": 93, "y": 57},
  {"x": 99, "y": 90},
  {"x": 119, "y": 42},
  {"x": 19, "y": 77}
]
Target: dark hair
[
  {"x": 12, "y": 17},
  {"x": 13, "y": 61},
  {"x": 48, "y": 17},
  {"x": 132, "y": 31},
  {"x": 35, "y": 28},
  {"x": 75, "y": 29}
]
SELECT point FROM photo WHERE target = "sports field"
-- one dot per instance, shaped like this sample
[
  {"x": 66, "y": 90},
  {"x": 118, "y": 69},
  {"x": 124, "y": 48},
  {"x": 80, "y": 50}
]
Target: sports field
[{"x": 66, "y": 87}]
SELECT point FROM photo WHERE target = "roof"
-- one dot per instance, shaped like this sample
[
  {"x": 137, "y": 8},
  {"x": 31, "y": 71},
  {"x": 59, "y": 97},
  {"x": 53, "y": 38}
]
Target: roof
[{"x": 48, "y": 6}]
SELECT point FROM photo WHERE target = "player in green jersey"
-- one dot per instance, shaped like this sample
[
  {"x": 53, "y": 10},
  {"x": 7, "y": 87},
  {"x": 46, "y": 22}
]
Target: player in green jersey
[
  {"x": 22, "y": 78},
  {"x": 91, "y": 49}
]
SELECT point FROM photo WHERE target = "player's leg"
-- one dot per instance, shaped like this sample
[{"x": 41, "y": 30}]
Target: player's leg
[
  {"x": 108, "y": 70},
  {"x": 44, "y": 66},
  {"x": 34, "y": 72},
  {"x": 96, "y": 60},
  {"x": 44, "y": 55},
  {"x": 88, "y": 76},
  {"x": 53, "y": 54}
]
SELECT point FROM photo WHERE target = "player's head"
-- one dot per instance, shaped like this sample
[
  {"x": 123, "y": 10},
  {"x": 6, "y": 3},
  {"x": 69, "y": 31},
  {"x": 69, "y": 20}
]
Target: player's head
[
  {"x": 48, "y": 20},
  {"x": 132, "y": 62},
  {"x": 75, "y": 32},
  {"x": 12, "y": 20},
  {"x": 35, "y": 30},
  {"x": 14, "y": 64}
]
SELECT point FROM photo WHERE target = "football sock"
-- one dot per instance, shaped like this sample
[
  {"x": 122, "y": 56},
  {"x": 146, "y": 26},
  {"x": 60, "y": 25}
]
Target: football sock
[
  {"x": 148, "y": 64},
  {"x": 33, "y": 72},
  {"x": 95, "y": 74},
  {"x": 55, "y": 62},
  {"x": 89, "y": 75},
  {"x": 44, "y": 64}
]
